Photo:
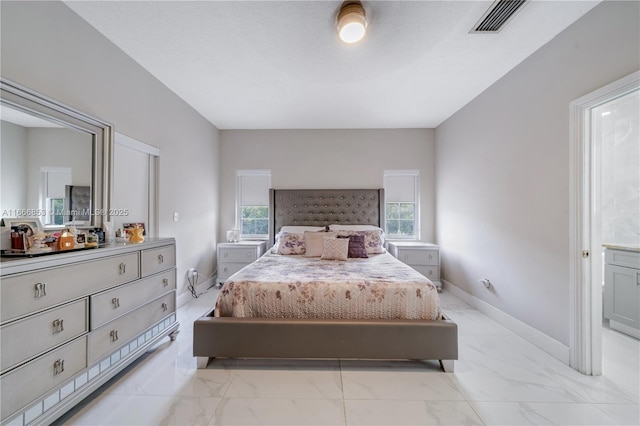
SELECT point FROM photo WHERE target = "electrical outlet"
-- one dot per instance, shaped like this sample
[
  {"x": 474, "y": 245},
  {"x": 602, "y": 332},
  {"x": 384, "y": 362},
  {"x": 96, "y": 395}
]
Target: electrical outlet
[
  {"x": 486, "y": 282},
  {"x": 191, "y": 272}
]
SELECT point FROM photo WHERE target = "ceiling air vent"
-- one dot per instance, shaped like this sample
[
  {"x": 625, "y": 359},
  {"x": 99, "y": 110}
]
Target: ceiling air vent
[{"x": 498, "y": 14}]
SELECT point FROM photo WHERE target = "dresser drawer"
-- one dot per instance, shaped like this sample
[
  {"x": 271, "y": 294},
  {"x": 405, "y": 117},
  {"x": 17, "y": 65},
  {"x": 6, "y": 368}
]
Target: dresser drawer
[
  {"x": 113, "y": 335},
  {"x": 111, "y": 304},
  {"x": 228, "y": 269},
  {"x": 243, "y": 255},
  {"x": 626, "y": 258},
  {"x": 429, "y": 271},
  {"x": 41, "y": 375},
  {"x": 23, "y": 294},
  {"x": 419, "y": 257},
  {"x": 159, "y": 259},
  {"x": 24, "y": 339}
]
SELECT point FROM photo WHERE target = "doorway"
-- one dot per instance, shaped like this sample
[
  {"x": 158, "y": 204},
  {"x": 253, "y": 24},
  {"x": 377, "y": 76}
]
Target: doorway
[{"x": 586, "y": 225}]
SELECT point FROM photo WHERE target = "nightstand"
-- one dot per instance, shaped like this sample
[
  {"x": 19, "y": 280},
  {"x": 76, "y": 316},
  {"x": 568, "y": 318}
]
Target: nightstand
[
  {"x": 234, "y": 256},
  {"x": 423, "y": 257}
]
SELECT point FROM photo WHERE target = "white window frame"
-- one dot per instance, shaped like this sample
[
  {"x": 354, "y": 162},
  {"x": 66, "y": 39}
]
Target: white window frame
[
  {"x": 44, "y": 201},
  {"x": 239, "y": 175},
  {"x": 415, "y": 174}
]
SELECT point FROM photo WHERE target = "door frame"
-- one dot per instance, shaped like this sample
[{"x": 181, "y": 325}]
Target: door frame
[{"x": 585, "y": 332}]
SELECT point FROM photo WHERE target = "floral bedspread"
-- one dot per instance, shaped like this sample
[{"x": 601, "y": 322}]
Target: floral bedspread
[{"x": 279, "y": 286}]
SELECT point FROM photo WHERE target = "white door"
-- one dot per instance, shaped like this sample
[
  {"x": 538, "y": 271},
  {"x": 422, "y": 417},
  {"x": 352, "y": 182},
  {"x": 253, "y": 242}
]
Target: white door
[{"x": 586, "y": 225}]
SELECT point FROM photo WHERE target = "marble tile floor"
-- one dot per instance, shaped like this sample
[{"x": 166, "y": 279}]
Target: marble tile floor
[{"x": 500, "y": 379}]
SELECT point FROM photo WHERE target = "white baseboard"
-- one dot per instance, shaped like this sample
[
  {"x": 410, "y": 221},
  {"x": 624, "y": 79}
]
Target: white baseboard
[
  {"x": 530, "y": 334},
  {"x": 186, "y": 297}
]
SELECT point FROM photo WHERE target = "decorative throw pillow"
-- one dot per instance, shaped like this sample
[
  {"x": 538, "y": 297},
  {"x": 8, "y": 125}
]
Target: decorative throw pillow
[
  {"x": 335, "y": 249},
  {"x": 356, "y": 245},
  {"x": 313, "y": 243},
  {"x": 373, "y": 239},
  {"x": 291, "y": 244}
]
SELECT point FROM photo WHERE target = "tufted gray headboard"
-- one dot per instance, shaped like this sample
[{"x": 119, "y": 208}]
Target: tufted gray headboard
[
  {"x": 321, "y": 207},
  {"x": 78, "y": 201}
]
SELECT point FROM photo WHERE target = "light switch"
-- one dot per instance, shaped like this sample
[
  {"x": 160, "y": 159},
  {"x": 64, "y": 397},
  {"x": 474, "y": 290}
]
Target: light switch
[{"x": 175, "y": 216}]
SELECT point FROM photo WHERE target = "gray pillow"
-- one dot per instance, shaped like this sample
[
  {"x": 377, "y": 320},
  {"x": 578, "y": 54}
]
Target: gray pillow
[{"x": 356, "y": 245}]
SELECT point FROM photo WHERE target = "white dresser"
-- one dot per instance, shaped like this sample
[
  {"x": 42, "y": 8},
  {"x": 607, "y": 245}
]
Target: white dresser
[
  {"x": 71, "y": 321},
  {"x": 423, "y": 257},
  {"x": 234, "y": 256},
  {"x": 622, "y": 288}
]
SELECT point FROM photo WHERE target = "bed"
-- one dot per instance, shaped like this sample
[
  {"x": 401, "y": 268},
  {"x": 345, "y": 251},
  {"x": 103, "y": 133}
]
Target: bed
[{"x": 265, "y": 310}]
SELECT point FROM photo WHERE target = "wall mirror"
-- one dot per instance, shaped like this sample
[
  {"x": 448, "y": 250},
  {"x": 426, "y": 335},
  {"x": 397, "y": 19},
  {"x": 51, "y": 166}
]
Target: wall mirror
[{"x": 55, "y": 161}]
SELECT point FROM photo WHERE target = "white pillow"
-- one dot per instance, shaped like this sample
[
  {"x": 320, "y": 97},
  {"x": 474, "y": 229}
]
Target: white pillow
[
  {"x": 300, "y": 229},
  {"x": 335, "y": 248},
  {"x": 336, "y": 227},
  {"x": 314, "y": 244}
]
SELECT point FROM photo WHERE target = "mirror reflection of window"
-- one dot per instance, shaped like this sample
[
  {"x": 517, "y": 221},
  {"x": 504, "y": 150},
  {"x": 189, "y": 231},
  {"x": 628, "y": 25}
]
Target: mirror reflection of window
[{"x": 52, "y": 193}]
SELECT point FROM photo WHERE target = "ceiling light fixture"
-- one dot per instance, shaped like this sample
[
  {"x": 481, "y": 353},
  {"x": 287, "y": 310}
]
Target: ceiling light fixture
[{"x": 352, "y": 22}]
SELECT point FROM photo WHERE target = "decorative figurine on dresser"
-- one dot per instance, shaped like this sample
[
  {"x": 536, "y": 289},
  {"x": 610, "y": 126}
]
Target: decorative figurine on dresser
[{"x": 70, "y": 321}]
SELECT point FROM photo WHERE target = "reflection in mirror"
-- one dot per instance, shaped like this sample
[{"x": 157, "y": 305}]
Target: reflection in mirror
[
  {"x": 56, "y": 161},
  {"x": 42, "y": 165}
]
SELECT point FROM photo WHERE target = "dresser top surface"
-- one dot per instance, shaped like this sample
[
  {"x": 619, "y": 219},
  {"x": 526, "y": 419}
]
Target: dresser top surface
[
  {"x": 12, "y": 265},
  {"x": 242, "y": 244},
  {"x": 413, "y": 244}
]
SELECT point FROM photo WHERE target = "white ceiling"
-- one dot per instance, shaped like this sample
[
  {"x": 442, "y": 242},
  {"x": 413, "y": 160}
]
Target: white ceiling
[{"x": 280, "y": 64}]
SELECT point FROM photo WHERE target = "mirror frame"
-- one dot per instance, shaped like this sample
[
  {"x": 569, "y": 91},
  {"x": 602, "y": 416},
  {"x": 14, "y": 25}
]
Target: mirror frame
[{"x": 34, "y": 103}]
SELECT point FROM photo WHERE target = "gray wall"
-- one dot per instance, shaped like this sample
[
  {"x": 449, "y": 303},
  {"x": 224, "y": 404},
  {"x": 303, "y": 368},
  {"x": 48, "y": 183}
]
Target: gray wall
[
  {"x": 328, "y": 159},
  {"x": 503, "y": 170},
  {"x": 48, "y": 48}
]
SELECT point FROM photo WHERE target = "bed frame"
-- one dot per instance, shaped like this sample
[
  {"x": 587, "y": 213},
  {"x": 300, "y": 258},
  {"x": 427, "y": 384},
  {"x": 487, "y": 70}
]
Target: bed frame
[{"x": 315, "y": 338}]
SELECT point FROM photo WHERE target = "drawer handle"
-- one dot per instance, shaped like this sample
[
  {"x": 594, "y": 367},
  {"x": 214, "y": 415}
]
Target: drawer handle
[
  {"x": 225, "y": 254},
  {"x": 248, "y": 255},
  {"x": 58, "y": 326},
  {"x": 430, "y": 256},
  {"x": 123, "y": 268},
  {"x": 225, "y": 269},
  {"x": 160, "y": 258},
  {"x": 41, "y": 290},
  {"x": 165, "y": 307},
  {"x": 638, "y": 278},
  {"x": 114, "y": 335},
  {"x": 165, "y": 282},
  {"x": 58, "y": 367},
  {"x": 116, "y": 302}
]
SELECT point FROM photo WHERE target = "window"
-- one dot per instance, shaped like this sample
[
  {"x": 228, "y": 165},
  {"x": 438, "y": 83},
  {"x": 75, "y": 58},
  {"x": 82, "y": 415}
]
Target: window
[
  {"x": 402, "y": 203},
  {"x": 53, "y": 181},
  {"x": 252, "y": 203}
]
